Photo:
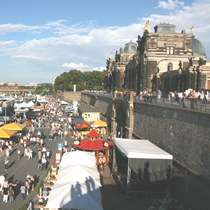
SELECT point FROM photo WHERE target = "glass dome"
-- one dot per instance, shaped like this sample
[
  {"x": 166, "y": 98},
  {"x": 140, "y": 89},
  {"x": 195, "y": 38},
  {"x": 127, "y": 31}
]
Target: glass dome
[{"x": 198, "y": 48}]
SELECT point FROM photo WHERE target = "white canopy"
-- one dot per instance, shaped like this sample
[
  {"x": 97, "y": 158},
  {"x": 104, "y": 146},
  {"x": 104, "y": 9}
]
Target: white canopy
[
  {"x": 75, "y": 195},
  {"x": 80, "y": 173},
  {"x": 78, "y": 158},
  {"x": 142, "y": 149},
  {"x": 64, "y": 103}
]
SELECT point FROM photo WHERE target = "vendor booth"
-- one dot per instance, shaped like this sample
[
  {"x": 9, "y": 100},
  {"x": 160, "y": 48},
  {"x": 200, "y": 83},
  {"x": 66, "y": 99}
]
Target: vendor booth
[
  {"x": 78, "y": 158},
  {"x": 74, "y": 195},
  {"x": 14, "y": 127},
  {"x": 101, "y": 126},
  {"x": 141, "y": 166},
  {"x": 83, "y": 128},
  {"x": 94, "y": 143}
]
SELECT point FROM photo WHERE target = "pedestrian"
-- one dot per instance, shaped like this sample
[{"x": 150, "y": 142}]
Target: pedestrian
[
  {"x": 11, "y": 194},
  {"x": 27, "y": 187},
  {"x": 7, "y": 152},
  {"x": 5, "y": 194},
  {"x": 32, "y": 183},
  {"x": 23, "y": 191},
  {"x": 39, "y": 154},
  {"x": 39, "y": 163},
  {"x": 48, "y": 154},
  {"x": 43, "y": 166},
  {"x": 1, "y": 181},
  {"x": 18, "y": 154},
  {"x": 6, "y": 161}
]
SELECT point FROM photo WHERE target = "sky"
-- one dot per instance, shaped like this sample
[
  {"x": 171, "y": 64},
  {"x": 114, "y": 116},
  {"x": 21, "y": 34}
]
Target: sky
[{"x": 41, "y": 39}]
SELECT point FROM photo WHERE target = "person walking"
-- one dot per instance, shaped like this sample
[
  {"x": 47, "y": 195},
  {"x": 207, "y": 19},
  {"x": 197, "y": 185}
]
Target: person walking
[
  {"x": 39, "y": 163},
  {"x": 18, "y": 154},
  {"x": 11, "y": 194},
  {"x": 2, "y": 178},
  {"x": 43, "y": 166},
  {"x": 5, "y": 194},
  {"x": 23, "y": 191},
  {"x": 7, "y": 152},
  {"x": 6, "y": 161}
]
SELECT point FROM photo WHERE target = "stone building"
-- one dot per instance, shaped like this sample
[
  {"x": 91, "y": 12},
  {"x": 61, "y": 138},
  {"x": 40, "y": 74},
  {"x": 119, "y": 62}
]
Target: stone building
[{"x": 163, "y": 59}]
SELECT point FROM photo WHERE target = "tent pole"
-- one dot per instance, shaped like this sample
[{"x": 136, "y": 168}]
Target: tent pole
[{"x": 128, "y": 180}]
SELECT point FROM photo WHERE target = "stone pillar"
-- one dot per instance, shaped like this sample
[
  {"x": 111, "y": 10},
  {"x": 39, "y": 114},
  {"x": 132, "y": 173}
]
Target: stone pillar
[
  {"x": 130, "y": 119},
  {"x": 113, "y": 123}
]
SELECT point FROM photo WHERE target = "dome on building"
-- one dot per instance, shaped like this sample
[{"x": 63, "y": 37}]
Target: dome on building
[
  {"x": 198, "y": 48},
  {"x": 130, "y": 47}
]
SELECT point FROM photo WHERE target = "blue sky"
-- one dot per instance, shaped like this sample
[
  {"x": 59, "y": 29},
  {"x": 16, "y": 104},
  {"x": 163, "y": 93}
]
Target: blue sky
[{"x": 40, "y": 39}]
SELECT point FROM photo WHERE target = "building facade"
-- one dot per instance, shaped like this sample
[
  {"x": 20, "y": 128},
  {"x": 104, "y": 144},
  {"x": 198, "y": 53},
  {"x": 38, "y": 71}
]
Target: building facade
[{"x": 163, "y": 59}]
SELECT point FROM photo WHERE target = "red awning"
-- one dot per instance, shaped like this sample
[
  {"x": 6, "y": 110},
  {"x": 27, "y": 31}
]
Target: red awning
[
  {"x": 78, "y": 122},
  {"x": 93, "y": 133},
  {"x": 84, "y": 125}
]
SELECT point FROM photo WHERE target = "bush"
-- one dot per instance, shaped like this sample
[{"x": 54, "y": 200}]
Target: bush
[
  {"x": 39, "y": 186},
  {"x": 47, "y": 171},
  {"x": 23, "y": 207}
]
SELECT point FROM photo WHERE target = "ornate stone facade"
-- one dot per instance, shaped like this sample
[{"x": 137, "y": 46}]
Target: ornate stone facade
[{"x": 163, "y": 59}]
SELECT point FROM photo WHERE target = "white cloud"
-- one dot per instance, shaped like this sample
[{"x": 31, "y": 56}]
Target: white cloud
[
  {"x": 170, "y": 4},
  {"x": 7, "y": 43},
  {"x": 89, "y": 47},
  {"x": 75, "y": 66},
  {"x": 99, "y": 69}
]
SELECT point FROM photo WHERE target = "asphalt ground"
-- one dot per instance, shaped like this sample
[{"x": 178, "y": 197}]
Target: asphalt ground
[{"x": 18, "y": 169}]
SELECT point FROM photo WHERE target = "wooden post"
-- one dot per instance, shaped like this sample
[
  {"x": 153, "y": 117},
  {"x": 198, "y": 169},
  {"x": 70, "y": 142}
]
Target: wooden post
[
  {"x": 107, "y": 156},
  {"x": 97, "y": 157}
]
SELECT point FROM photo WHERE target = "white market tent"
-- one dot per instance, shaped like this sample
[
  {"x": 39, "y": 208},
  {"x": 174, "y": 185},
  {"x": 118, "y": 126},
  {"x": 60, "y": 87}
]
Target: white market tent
[
  {"x": 64, "y": 103},
  {"x": 82, "y": 173},
  {"x": 147, "y": 161},
  {"x": 78, "y": 158},
  {"x": 141, "y": 149},
  {"x": 75, "y": 195}
]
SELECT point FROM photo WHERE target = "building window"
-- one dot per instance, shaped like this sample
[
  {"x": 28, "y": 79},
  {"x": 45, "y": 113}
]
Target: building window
[
  {"x": 88, "y": 115},
  {"x": 85, "y": 115},
  {"x": 170, "y": 67},
  {"x": 170, "y": 50}
]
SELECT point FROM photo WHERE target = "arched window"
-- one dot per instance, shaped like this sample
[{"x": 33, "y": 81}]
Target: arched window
[{"x": 170, "y": 67}]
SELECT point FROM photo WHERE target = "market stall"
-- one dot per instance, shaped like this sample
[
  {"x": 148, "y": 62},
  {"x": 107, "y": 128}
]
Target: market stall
[
  {"x": 101, "y": 126},
  {"x": 94, "y": 143},
  {"x": 78, "y": 158},
  {"x": 141, "y": 166}
]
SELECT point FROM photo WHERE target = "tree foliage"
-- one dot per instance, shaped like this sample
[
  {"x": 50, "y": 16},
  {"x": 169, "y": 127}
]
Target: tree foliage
[{"x": 83, "y": 80}]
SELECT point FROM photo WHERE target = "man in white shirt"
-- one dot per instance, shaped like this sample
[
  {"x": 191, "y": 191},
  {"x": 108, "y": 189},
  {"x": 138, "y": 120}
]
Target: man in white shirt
[{"x": 2, "y": 181}]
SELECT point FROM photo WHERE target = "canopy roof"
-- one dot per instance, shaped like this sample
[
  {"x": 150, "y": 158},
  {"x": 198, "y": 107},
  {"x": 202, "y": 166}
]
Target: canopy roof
[
  {"x": 75, "y": 195},
  {"x": 100, "y": 123},
  {"x": 78, "y": 173},
  {"x": 141, "y": 149},
  {"x": 78, "y": 158},
  {"x": 93, "y": 145},
  {"x": 78, "y": 122},
  {"x": 14, "y": 126},
  {"x": 79, "y": 118},
  {"x": 7, "y": 133},
  {"x": 64, "y": 103},
  {"x": 84, "y": 125},
  {"x": 93, "y": 133}
]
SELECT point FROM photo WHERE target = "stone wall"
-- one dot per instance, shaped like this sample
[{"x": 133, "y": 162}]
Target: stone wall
[
  {"x": 68, "y": 96},
  {"x": 186, "y": 135},
  {"x": 103, "y": 103}
]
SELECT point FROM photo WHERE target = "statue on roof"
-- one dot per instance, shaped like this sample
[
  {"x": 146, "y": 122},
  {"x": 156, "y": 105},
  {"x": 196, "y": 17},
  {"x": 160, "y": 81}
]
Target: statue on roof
[
  {"x": 110, "y": 55},
  {"x": 192, "y": 29},
  {"x": 146, "y": 26}
]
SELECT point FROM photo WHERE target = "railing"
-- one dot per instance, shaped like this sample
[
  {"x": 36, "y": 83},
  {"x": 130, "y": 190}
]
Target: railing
[{"x": 184, "y": 103}]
